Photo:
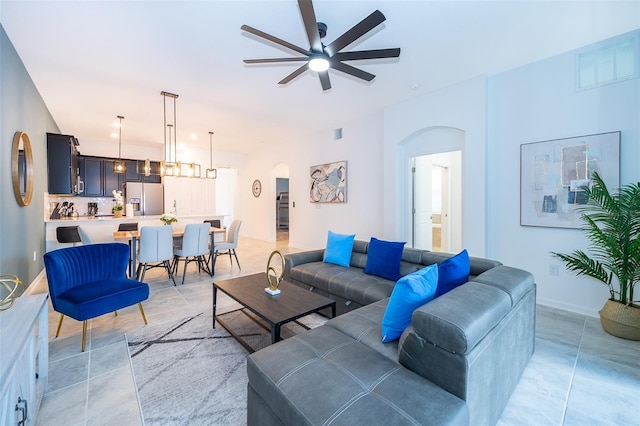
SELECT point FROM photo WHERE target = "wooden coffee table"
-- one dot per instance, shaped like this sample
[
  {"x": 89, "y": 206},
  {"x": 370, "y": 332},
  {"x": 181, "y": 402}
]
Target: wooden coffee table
[{"x": 292, "y": 303}]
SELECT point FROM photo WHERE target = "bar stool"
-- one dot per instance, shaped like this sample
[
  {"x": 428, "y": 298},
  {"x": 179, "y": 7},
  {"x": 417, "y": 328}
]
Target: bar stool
[
  {"x": 128, "y": 226},
  {"x": 68, "y": 235}
]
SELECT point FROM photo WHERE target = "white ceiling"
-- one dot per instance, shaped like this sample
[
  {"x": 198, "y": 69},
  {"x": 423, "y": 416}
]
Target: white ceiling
[{"x": 94, "y": 60}]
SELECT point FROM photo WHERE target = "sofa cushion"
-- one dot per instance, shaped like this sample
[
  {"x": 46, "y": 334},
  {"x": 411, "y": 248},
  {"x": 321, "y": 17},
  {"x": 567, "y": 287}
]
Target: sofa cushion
[
  {"x": 338, "y": 249},
  {"x": 324, "y": 376},
  {"x": 453, "y": 272},
  {"x": 363, "y": 325},
  {"x": 383, "y": 258},
  {"x": 409, "y": 293},
  {"x": 348, "y": 283}
]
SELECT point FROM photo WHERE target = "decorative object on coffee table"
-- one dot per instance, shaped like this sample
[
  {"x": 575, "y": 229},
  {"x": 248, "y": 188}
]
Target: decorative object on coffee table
[
  {"x": 273, "y": 285},
  {"x": 612, "y": 225}
]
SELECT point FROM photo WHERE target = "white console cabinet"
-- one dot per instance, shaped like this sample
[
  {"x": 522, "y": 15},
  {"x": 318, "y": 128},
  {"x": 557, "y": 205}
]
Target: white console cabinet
[{"x": 24, "y": 357}]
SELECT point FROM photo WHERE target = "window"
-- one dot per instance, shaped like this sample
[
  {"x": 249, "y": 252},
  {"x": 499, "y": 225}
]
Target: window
[{"x": 608, "y": 62}]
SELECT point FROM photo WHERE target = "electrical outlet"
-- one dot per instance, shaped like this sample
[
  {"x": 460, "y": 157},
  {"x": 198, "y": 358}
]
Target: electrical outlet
[
  {"x": 553, "y": 269},
  {"x": 35, "y": 255}
]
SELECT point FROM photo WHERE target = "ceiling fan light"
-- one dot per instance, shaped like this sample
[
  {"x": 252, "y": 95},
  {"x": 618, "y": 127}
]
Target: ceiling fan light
[{"x": 319, "y": 63}]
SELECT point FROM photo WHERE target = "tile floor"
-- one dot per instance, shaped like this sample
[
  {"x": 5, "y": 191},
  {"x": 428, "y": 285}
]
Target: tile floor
[{"x": 578, "y": 375}]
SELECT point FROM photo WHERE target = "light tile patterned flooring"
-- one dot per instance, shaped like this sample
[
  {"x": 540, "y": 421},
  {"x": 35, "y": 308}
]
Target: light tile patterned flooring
[{"x": 578, "y": 375}]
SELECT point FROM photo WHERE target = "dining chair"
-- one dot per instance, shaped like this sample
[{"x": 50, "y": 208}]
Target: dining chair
[
  {"x": 194, "y": 247},
  {"x": 230, "y": 244},
  {"x": 156, "y": 250},
  {"x": 88, "y": 281}
]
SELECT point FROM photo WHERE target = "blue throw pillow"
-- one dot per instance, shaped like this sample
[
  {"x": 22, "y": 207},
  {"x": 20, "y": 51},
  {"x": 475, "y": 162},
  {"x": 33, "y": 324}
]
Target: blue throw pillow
[
  {"x": 383, "y": 259},
  {"x": 409, "y": 293},
  {"x": 338, "y": 249},
  {"x": 453, "y": 272}
]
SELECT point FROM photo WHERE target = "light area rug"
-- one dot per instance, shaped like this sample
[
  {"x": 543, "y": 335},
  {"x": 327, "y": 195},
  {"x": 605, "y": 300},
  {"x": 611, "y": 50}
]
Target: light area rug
[{"x": 190, "y": 373}]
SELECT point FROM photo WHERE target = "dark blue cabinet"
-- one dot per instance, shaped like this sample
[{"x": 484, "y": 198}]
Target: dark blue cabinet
[{"x": 62, "y": 164}]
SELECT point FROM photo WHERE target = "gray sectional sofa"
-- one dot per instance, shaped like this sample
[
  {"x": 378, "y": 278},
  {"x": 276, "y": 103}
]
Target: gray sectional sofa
[{"x": 457, "y": 363}]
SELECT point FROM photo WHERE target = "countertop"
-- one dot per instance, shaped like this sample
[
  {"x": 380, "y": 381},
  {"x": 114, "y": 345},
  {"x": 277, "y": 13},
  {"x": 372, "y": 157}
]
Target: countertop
[{"x": 100, "y": 218}]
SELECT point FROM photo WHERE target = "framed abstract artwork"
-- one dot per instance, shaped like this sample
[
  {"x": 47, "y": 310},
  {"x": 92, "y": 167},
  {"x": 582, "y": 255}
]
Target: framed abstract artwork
[
  {"x": 328, "y": 183},
  {"x": 554, "y": 173}
]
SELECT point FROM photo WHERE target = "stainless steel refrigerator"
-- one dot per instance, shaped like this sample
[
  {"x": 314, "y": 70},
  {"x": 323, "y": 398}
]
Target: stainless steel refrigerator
[{"x": 147, "y": 198}]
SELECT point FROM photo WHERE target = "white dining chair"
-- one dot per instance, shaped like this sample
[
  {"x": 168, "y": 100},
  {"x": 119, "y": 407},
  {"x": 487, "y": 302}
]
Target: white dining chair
[
  {"x": 230, "y": 244},
  {"x": 156, "y": 250},
  {"x": 194, "y": 247}
]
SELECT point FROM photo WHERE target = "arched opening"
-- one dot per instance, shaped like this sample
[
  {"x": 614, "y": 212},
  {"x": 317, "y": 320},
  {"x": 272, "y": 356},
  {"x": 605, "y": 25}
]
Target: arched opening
[{"x": 432, "y": 215}]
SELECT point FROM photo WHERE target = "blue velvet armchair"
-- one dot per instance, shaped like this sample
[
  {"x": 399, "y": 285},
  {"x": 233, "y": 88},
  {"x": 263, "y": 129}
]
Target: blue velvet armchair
[{"x": 90, "y": 280}]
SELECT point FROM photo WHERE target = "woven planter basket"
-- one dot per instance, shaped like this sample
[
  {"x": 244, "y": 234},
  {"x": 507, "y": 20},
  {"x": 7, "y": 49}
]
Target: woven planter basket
[{"x": 620, "y": 320}]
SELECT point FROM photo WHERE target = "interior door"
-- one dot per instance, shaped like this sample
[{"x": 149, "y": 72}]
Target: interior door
[{"x": 422, "y": 211}]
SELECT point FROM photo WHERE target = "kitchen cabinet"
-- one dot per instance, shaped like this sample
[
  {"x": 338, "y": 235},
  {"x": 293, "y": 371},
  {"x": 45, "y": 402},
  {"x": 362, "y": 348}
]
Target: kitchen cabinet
[
  {"x": 91, "y": 174},
  {"x": 186, "y": 196},
  {"x": 25, "y": 359},
  {"x": 62, "y": 164},
  {"x": 99, "y": 179},
  {"x": 131, "y": 173},
  {"x": 112, "y": 181},
  {"x": 154, "y": 177}
]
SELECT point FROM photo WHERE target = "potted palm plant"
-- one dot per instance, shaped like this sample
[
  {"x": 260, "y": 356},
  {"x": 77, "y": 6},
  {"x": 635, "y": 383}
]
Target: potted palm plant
[{"x": 612, "y": 225}]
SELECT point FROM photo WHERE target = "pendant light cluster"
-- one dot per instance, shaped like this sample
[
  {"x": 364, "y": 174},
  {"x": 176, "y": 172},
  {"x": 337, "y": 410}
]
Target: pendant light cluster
[
  {"x": 119, "y": 166},
  {"x": 171, "y": 166}
]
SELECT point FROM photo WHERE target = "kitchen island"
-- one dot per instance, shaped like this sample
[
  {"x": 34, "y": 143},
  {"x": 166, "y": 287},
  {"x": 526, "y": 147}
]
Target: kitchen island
[{"x": 100, "y": 228}]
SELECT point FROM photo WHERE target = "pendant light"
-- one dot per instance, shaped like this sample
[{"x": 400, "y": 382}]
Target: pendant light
[
  {"x": 211, "y": 172},
  {"x": 169, "y": 167},
  {"x": 119, "y": 166}
]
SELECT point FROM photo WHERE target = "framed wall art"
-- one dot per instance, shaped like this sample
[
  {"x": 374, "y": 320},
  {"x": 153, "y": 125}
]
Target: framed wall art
[
  {"x": 328, "y": 183},
  {"x": 554, "y": 173}
]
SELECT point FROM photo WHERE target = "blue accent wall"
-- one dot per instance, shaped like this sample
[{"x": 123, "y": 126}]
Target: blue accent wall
[{"x": 22, "y": 109}]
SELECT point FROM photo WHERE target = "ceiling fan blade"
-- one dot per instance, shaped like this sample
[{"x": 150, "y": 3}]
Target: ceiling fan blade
[
  {"x": 367, "y": 54},
  {"x": 272, "y": 60},
  {"x": 357, "y": 31},
  {"x": 294, "y": 74},
  {"x": 324, "y": 80},
  {"x": 348, "y": 69},
  {"x": 274, "y": 39},
  {"x": 310, "y": 24}
]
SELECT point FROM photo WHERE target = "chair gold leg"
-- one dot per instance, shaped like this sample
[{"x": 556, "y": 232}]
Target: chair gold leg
[
  {"x": 116, "y": 313},
  {"x": 84, "y": 334},
  {"x": 142, "y": 312},
  {"x": 59, "y": 325}
]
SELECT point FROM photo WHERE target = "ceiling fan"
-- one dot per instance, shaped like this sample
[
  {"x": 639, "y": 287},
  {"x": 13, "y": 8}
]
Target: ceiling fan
[{"x": 320, "y": 57}]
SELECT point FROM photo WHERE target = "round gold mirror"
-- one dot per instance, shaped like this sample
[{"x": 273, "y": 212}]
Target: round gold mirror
[{"x": 22, "y": 168}]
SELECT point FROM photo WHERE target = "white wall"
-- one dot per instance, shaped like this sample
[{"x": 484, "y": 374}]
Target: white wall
[
  {"x": 535, "y": 103},
  {"x": 361, "y": 146}
]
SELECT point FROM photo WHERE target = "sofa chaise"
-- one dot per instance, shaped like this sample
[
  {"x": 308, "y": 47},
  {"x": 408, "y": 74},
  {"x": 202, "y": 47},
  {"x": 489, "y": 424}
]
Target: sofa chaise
[{"x": 457, "y": 363}]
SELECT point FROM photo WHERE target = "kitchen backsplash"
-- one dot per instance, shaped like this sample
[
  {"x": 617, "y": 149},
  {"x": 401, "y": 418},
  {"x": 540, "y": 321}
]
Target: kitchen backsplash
[{"x": 80, "y": 204}]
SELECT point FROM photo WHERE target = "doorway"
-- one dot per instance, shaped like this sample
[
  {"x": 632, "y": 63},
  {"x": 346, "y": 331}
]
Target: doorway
[
  {"x": 436, "y": 202},
  {"x": 282, "y": 209}
]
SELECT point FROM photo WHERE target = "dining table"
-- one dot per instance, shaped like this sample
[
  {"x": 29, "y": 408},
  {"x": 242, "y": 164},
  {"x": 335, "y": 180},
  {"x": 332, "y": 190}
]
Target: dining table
[{"x": 134, "y": 236}]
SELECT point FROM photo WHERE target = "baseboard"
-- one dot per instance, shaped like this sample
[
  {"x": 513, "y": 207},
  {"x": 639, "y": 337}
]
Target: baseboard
[
  {"x": 569, "y": 307},
  {"x": 33, "y": 287}
]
